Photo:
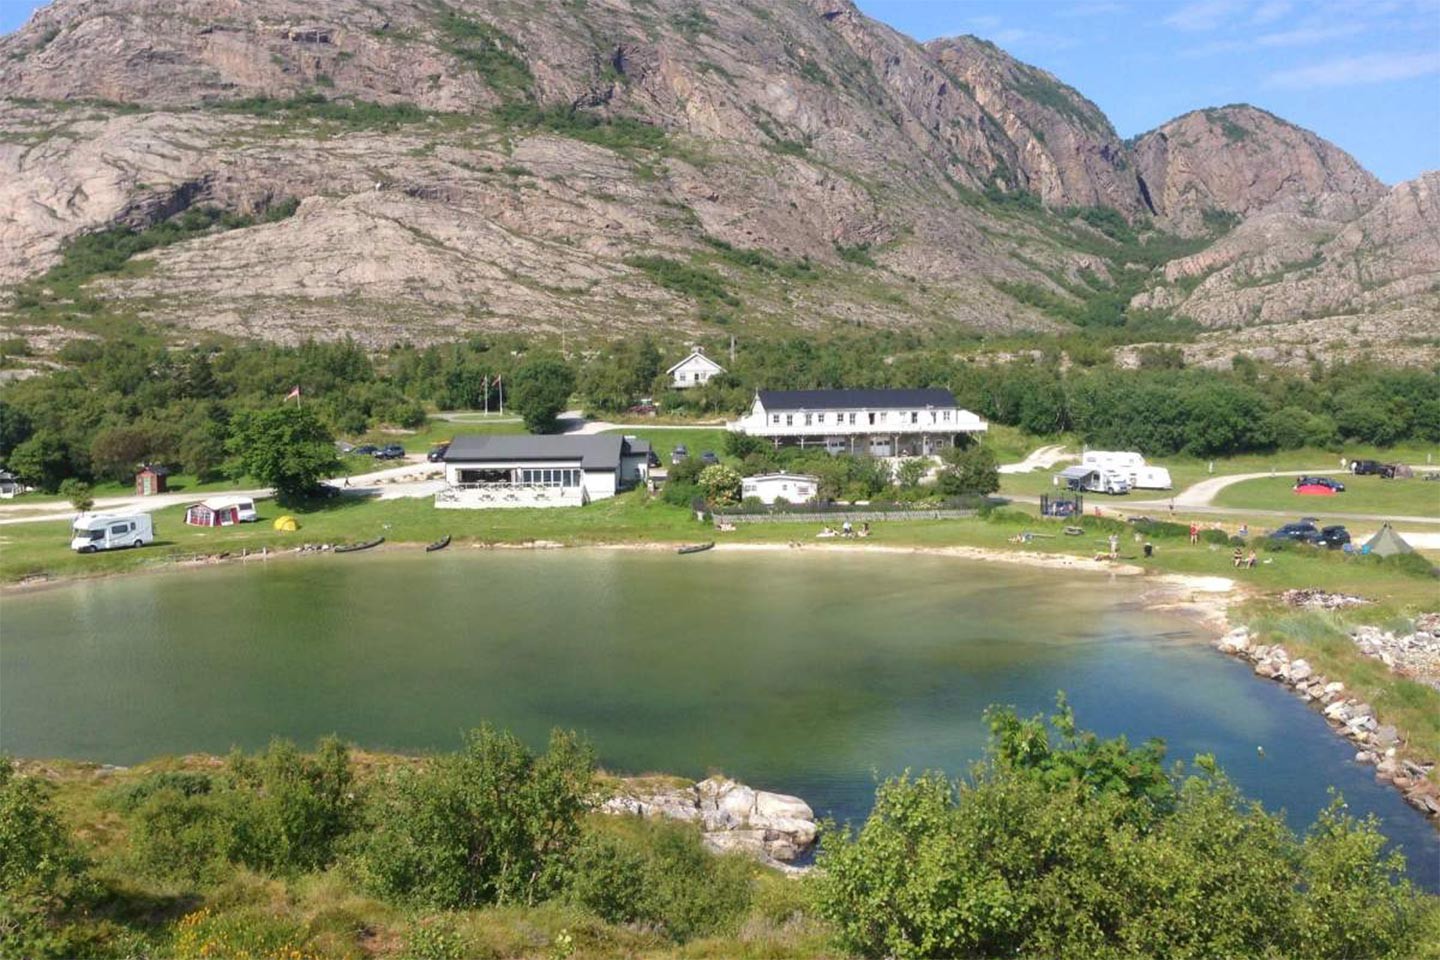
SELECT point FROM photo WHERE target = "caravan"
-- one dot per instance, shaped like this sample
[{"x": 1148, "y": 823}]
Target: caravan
[
  {"x": 1129, "y": 465},
  {"x": 1093, "y": 480},
  {"x": 100, "y": 532}
]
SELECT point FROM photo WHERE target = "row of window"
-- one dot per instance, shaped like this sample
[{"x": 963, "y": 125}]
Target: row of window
[
  {"x": 553, "y": 478},
  {"x": 870, "y": 419}
]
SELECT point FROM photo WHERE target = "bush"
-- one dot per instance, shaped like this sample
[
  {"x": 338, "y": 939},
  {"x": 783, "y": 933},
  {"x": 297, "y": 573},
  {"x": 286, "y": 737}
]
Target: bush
[
  {"x": 178, "y": 837},
  {"x": 492, "y": 824},
  {"x": 42, "y": 874},
  {"x": 248, "y": 933},
  {"x": 660, "y": 875},
  {"x": 1062, "y": 844},
  {"x": 1217, "y": 537},
  {"x": 1161, "y": 529},
  {"x": 542, "y": 388},
  {"x": 721, "y": 485}
]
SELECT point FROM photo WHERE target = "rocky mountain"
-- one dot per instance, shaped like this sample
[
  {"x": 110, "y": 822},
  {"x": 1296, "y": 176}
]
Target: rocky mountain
[{"x": 421, "y": 170}]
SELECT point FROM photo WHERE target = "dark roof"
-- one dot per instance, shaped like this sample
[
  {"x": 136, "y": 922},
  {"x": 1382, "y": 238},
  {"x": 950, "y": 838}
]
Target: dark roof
[
  {"x": 855, "y": 399},
  {"x": 597, "y": 452}
]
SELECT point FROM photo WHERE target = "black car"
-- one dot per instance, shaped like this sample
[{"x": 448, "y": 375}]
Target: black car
[
  {"x": 437, "y": 454},
  {"x": 1333, "y": 537},
  {"x": 1362, "y": 468},
  {"x": 680, "y": 454},
  {"x": 323, "y": 491},
  {"x": 653, "y": 458},
  {"x": 366, "y": 449},
  {"x": 1326, "y": 482},
  {"x": 391, "y": 451},
  {"x": 1299, "y": 532},
  {"x": 708, "y": 457}
]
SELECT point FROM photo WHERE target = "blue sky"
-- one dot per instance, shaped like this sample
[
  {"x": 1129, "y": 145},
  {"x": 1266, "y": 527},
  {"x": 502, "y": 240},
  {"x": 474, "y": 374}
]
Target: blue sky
[{"x": 1362, "y": 73}]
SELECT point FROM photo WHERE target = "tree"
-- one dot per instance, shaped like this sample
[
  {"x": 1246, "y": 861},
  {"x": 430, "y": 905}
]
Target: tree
[
  {"x": 78, "y": 492},
  {"x": 492, "y": 824},
  {"x": 911, "y": 471},
  {"x": 284, "y": 447},
  {"x": 42, "y": 461},
  {"x": 721, "y": 485},
  {"x": 117, "y": 451},
  {"x": 15, "y": 428},
  {"x": 969, "y": 470},
  {"x": 1063, "y": 844},
  {"x": 541, "y": 389}
]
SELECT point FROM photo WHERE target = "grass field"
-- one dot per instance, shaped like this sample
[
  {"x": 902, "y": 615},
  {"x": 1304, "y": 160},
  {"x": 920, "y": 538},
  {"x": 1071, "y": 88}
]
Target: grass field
[
  {"x": 1413, "y": 498},
  {"x": 697, "y": 440}
]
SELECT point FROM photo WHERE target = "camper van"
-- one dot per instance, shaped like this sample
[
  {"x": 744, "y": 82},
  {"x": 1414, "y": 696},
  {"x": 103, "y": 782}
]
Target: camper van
[
  {"x": 1093, "y": 480},
  {"x": 1129, "y": 465},
  {"x": 100, "y": 532}
]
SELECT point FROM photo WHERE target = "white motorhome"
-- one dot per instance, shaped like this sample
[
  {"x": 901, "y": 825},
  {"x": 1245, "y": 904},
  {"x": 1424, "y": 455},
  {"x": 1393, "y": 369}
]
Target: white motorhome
[
  {"x": 1130, "y": 465},
  {"x": 94, "y": 532},
  {"x": 1093, "y": 480}
]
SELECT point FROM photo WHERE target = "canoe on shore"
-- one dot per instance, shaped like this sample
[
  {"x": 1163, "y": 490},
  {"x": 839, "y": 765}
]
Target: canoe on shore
[
  {"x": 353, "y": 547},
  {"x": 695, "y": 548},
  {"x": 440, "y": 544}
]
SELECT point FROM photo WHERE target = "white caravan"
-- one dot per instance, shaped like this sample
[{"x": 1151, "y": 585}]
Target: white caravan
[
  {"x": 244, "y": 507},
  {"x": 1093, "y": 480},
  {"x": 100, "y": 532},
  {"x": 1129, "y": 465}
]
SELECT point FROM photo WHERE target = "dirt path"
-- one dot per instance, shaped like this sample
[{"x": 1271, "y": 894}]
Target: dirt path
[{"x": 1040, "y": 459}]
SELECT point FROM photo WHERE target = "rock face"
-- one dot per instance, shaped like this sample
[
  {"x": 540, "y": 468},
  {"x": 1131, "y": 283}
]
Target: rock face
[
  {"x": 1064, "y": 147},
  {"x": 772, "y": 827},
  {"x": 1240, "y": 160},
  {"x": 447, "y": 189}
]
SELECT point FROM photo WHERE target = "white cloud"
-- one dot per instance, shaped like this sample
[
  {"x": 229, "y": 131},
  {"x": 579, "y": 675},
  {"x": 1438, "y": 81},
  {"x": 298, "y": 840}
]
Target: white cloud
[
  {"x": 1270, "y": 11},
  {"x": 1304, "y": 36},
  {"x": 1202, "y": 15},
  {"x": 1355, "y": 71}
]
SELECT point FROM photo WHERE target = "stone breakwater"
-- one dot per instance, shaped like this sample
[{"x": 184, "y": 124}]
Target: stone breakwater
[
  {"x": 1379, "y": 743},
  {"x": 1415, "y": 655},
  {"x": 774, "y": 828}
]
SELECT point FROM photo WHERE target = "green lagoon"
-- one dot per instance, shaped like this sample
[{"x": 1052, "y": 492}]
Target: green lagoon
[{"x": 794, "y": 671}]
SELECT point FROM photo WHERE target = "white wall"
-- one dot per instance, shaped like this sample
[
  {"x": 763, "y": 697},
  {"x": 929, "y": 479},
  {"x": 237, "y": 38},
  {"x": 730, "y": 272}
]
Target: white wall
[{"x": 694, "y": 371}]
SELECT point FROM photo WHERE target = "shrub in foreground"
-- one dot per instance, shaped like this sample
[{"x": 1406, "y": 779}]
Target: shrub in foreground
[
  {"x": 1067, "y": 845},
  {"x": 493, "y": 824}
]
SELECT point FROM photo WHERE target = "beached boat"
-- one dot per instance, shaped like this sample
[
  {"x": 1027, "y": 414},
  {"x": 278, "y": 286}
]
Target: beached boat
[
  {"x": 353, "y": 547},
  {"x": 695, "y": 547},
  {"x": 440, "y": 544}
]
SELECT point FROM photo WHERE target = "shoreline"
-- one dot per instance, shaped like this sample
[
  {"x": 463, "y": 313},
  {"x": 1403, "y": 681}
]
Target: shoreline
[{"x": 1206, "y": 600}]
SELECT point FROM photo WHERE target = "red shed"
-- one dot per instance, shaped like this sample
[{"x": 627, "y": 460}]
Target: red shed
[{"x": 151, "y": 480}]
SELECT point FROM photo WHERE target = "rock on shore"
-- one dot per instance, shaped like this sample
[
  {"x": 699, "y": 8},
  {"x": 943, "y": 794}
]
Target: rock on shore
[
  {"x": 772, "y": 827},
  {"x": 1348, "y": 716},
  {"x": 1415, "y": 654}
]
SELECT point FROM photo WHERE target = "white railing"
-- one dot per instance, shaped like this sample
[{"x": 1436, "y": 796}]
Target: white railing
[{"x": 477, "y": 495}]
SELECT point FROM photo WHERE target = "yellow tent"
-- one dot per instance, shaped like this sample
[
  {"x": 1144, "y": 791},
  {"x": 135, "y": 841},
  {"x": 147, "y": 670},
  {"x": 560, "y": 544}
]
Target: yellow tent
[{"x": 287, "y": 523}]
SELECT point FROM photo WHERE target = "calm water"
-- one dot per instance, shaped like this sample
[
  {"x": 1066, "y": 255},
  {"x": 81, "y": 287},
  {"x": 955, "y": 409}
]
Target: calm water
[{"x": 806, "y": 674}]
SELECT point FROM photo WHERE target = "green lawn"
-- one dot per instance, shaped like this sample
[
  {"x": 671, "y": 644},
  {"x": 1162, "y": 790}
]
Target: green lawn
[
  {"x": 696, "y": 439},
  {"x": 1413, "y": 497}
]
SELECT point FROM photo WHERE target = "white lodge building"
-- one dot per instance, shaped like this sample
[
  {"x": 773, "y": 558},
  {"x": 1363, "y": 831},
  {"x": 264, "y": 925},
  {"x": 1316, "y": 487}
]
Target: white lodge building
[
  {"x": 694, "y": 370},
  {"x": 496, "y": 470},
  {"x": 881, "y": 423}
]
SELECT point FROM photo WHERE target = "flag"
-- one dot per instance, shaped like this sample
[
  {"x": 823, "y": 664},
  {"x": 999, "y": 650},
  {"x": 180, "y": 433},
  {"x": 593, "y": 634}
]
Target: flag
[{"x": 293, "y": 394}]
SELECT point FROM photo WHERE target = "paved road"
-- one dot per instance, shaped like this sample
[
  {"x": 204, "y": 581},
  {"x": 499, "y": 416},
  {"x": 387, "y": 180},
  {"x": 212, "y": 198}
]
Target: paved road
[{"x": 372, "y": 483}]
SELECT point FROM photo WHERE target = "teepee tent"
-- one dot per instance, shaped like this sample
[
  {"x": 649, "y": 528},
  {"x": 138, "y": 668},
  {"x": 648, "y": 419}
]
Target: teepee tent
[{"x": 1387, "y": 543}]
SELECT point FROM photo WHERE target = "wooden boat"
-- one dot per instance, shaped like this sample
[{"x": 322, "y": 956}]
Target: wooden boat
[
  {"x": 440, "y": 544},
  {"x": 1074, "y": 531},
  {"x": 353, "y": 547},
  {"x": 694, "y": 547}
]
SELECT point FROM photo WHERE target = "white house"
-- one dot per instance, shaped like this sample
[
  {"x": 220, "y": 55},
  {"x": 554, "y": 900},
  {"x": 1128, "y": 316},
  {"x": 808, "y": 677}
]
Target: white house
[
  {"x": 882, "y": 423},
  {"x": 540, "y": 471},
  {"x": 791, "y": 487},
  {"x": 694, "y": 370}
]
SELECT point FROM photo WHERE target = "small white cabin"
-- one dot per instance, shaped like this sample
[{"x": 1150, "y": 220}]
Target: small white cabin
[
  {"x": 694, "y": 371},
  {"x": 92, "y": 532},
  {"x": 790, "y": 487}
]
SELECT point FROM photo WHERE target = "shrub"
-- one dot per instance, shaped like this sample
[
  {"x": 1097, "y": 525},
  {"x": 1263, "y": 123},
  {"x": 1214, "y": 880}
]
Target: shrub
[
  {"x": 188, "y": 783},
  {"x": 178, "y": 837},
  {"x": 721, "y": 485},
  {"x": 250, "y": 934},
  {"x": 1217, "y": 537},
  {"x": 1161, "y": 529},
  {"x": 289, "y": 811},
  {"x": 661, "y": 875},
  {"x": 41, "y": 872},
  {"x": 492, "y": 824}
]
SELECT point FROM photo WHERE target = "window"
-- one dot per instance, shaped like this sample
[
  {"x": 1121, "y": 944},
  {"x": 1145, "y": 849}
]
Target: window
[
  {"x": 947, "y": 416},
  {"x": 914, "y": 416},
  {"x": 821, "y": 418},
  {"x": 119, "y": 528},
  {"x": 872, "y": 419},
  {"x": 789, "y": 419},
  {"x": 933, "y": 416},
  {"x": 775, "y": 418},
  {"x": 852, "y": 419},
  {"x": 807, "y": 419}
]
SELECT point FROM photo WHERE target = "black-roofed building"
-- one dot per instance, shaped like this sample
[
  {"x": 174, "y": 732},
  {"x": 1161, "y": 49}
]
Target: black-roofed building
[
  {"x": 881, "y": 423},
  {"x": 498, "y": 470}
]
